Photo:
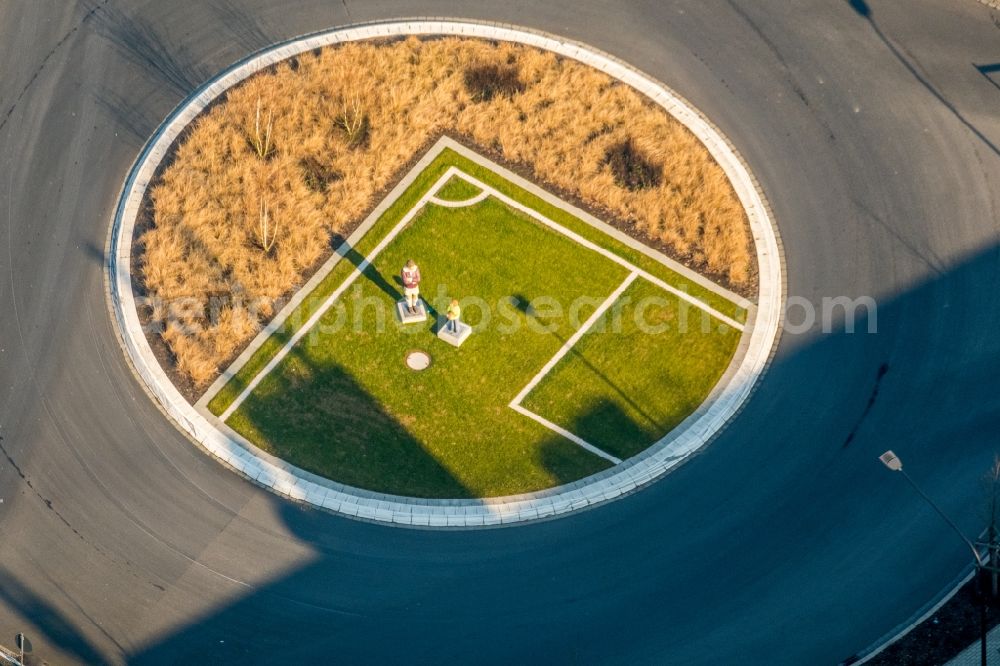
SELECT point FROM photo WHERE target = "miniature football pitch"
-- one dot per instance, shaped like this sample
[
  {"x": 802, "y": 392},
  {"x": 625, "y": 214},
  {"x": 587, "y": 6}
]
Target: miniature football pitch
[{"x": 584, "y": 350}]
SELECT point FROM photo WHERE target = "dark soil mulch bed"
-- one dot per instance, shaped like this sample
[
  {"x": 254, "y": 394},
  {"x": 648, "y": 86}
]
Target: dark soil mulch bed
[{"x": 946, "y": 633}]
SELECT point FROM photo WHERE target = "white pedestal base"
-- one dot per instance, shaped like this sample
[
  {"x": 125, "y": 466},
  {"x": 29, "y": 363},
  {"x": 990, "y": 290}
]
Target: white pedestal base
[
  {"x": 455, "y": 338},
  {"x": 407, "y": 317}
]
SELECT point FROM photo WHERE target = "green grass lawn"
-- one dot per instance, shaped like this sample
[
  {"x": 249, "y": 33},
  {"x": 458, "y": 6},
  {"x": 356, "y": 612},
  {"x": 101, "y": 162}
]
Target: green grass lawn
[
  {"x": 627, "y": 384},
  {"x": 457, "y": 189},
  {"x": 343, "y": 404}
]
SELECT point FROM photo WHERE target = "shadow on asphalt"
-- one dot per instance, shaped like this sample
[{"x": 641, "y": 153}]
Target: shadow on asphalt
[
  {"x": 58, "y": 629},
  {"x": 370, "y": 593},
  {"x": 989, "y": 72},
  {"x": 341, "y": 603}
]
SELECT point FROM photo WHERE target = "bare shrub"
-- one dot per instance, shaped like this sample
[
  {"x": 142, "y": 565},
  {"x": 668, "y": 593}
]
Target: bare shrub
[
  {"x": 316, "y": 175},
  {"x": 630, "y": 168},
  {"x": 484, "y": 82}
]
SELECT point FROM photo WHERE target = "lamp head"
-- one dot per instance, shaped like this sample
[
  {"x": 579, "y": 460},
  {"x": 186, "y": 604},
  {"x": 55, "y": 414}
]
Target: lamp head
[{"x": 890, "y": 460}]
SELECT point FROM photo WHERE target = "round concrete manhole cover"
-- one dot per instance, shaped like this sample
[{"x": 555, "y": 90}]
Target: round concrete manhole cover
[{"x": 418, "y": 360}]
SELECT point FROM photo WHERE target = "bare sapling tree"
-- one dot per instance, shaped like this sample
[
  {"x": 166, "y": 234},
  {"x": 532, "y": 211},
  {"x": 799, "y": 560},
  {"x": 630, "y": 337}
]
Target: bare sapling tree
[
  {"x": 261, "y": 137},
  {"x": 265, "y": 228}
]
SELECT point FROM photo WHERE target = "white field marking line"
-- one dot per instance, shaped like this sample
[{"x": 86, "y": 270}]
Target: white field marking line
[
  {"x": 515, "y": 404},
  {"x": 567, "y": 434},
  {"x": 460, "y": 204},
  {"x": 573, "y": 339},
  {"x": 338, "y": 292},
  {"x": 597, "y": 248}
]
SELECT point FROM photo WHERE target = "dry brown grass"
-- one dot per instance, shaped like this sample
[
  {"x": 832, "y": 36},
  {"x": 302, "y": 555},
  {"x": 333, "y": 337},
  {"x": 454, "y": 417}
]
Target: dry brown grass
[{"x": 345, "y": 120}]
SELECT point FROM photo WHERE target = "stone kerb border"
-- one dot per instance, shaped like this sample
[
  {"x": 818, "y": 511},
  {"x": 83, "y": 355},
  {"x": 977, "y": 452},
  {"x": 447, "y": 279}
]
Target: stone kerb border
[{"x": 698, "y": 429}]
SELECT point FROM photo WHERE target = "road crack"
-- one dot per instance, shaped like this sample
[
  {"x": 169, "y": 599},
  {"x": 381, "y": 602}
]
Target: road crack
[
  {"x": 879, "y": 376},
  {"x": 45, "y": 500}
]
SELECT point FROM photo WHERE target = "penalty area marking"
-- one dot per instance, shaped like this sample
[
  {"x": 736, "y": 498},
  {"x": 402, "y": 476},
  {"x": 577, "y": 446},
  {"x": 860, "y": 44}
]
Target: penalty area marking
[{"x": 515, "y": 404}]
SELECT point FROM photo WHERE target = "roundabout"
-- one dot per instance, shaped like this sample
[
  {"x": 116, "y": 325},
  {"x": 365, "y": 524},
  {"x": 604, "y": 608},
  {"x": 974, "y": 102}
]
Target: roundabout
[
  {"x": 776, "y": 544},
  {"x": 370, "y": 455}
]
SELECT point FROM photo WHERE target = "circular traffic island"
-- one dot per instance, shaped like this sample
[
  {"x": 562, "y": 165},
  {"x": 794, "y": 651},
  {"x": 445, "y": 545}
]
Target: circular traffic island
[{"x": 587, "y": 262}]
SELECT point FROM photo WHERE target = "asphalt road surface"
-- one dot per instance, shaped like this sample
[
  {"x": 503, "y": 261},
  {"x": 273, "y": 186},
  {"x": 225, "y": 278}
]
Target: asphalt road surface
[{"x": 875, "y": 136}]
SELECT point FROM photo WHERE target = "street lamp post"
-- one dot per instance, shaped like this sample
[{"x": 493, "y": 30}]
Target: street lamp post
[{"x": 892, "y": 461}]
